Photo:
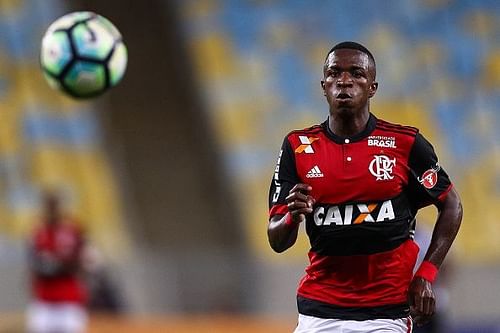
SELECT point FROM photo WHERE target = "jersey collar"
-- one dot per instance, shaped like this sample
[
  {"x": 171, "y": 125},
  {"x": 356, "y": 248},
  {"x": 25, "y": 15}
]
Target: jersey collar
[{"x": 370, "y": 126}]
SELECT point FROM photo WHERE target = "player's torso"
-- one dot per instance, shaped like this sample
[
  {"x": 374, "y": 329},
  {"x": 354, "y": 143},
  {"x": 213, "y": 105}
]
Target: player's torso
[
  {"x": 62, "y": 242},
  {"x": 60, "y": 239},
  {"x": 353, "y": 171},
  {"x": 358, "y": 185}
]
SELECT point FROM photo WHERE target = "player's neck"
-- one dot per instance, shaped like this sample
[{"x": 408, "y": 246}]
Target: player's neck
[
  {"x": 346, "y": 125},
  {"x": 53, "y": 219}
]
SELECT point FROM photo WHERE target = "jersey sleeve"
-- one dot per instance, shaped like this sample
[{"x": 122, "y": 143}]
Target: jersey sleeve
[
  {"x": 284, "y": 179},
  {"x": 429, "y": 183}
]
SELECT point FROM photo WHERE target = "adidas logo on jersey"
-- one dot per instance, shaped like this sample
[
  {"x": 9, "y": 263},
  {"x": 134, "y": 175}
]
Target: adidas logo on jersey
[{"x": 315, "y": 172}]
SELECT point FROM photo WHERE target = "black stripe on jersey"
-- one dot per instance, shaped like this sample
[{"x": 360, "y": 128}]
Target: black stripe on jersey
[
  {"x": 285, "y": 175},
  {"x": 330, "y": 236},
  {"x": 422, "y": 158},
  {"x": 361, "y": 239},
  {"x": 319, "y": 309}
]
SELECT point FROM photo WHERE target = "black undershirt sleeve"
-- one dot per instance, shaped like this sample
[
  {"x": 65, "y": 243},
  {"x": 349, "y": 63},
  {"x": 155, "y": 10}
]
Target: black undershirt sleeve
[{"x": 284, "y": 177}]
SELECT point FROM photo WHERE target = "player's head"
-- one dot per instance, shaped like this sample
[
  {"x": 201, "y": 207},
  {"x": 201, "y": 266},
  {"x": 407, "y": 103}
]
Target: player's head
[
  {"x": 349, "y": 78},
  {"x": 51, "y": 206},
  {"x": 354, "y": 46}
]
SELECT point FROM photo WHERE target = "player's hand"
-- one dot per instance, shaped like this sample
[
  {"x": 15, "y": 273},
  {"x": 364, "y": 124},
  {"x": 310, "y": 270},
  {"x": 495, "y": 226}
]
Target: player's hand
[
  {"x": 300, "y": 202},
  {"x": 422, "y": 301}
]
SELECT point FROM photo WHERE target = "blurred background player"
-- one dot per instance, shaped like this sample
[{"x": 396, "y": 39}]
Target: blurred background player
[{"x": 58, "y": 293}]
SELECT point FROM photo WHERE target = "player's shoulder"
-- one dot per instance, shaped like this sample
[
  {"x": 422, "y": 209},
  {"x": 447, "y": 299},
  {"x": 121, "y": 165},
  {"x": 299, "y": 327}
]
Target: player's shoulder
[
  {"x": 311, "y": 130},
  {"x": 71, "y": 225},
  {"x": 386, "y": 126}
]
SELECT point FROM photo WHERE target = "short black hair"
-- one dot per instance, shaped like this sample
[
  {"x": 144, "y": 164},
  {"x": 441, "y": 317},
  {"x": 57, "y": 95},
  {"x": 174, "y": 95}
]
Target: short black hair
[{"x": 352, "y": 46}]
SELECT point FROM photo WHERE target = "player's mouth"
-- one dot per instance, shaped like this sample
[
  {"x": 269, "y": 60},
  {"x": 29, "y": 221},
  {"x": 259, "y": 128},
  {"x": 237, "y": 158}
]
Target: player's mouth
[{"x": 343, "y": 97}]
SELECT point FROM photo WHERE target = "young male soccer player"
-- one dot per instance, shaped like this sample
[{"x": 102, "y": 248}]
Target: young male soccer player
[{"x": 357, "y": 182}]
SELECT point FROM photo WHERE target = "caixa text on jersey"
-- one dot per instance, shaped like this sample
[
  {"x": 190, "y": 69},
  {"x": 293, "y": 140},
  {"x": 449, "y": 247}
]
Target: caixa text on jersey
[{"x": 354, "y": 213}]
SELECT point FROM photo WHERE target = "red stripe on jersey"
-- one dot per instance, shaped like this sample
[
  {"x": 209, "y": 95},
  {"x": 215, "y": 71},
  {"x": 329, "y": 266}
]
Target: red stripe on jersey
[
  {"x": 278, "y": 210},
  {"x": 443, "y": 195},
  {"x": 60, "y": 289},
  {"x": 361, "y": 280},
  {"x": 409, "y": 325},
  {"x": 395, "y": 130},
  {"x": 310, "y": 130},
  {"x": 386, "y": 123}
]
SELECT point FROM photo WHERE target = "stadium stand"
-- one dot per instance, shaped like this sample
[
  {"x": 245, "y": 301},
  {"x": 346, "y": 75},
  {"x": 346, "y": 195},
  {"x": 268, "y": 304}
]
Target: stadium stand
[
  {"x": 438, "y": 63},
  {"x": 46, "y": 139}
]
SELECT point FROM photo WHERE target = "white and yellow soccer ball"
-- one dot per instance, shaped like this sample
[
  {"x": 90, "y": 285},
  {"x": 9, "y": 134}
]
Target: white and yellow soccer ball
[{"x": 83, "y": 54}]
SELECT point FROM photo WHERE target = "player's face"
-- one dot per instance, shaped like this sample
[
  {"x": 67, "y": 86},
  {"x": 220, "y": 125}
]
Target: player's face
[{"x": 349, "y": 81}]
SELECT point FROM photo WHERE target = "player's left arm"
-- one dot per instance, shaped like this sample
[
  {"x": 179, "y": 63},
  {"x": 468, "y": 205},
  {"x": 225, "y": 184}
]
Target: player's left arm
[
  {"x": 421, "y": 294},
  {"x": 432, "y": 186}
]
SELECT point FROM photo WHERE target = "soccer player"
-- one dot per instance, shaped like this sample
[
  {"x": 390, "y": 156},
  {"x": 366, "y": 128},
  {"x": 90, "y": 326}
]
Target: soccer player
[
  {"x": 58, "y": 293},
  {"x": 357, "y": 182}
]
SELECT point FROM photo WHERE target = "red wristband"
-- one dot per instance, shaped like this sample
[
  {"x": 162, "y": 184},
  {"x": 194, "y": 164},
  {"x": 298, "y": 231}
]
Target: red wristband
[
  {"x": 427, "y": 271},
  {"x": 288, "y": 221}
]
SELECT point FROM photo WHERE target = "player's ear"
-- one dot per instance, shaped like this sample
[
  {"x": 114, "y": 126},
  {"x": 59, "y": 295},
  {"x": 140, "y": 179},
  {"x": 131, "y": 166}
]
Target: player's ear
[
  {"x": 323, "y": 87},
  {"x": 372, "y": 89}
]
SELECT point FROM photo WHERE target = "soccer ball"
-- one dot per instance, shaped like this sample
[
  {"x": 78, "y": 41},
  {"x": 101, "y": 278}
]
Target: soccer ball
[{"x": 83, "y": 54}]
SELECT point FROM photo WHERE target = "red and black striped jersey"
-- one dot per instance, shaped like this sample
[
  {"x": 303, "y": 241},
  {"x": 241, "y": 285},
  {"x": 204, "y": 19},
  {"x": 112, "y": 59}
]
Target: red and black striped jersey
[
  {"x": 368, "y": 189},
  {"x": 58, "y": 244}
]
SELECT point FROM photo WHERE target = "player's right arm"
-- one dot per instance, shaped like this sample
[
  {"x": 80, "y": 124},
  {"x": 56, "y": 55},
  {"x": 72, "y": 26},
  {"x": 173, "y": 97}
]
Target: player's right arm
[
  {"x": 283, "y": 229},
  {"x": 289, "y": 201}
]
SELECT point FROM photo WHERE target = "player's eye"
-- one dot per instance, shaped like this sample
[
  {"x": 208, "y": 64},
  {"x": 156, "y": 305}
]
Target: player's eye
[
  {"x": 332, "y": 73},
  {"x": 357, "y": 74}
]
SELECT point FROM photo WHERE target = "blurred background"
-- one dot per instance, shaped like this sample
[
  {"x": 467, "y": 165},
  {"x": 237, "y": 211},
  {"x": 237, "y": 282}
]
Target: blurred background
[{"x": 169, "y": 172}]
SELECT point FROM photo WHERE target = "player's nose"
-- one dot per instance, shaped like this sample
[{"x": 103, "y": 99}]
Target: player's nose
[{"x": 344, "y": 80}]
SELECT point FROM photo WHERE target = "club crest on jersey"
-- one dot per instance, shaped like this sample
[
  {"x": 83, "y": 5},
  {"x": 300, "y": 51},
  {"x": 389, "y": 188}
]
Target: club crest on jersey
[
  {"x": 382, "y": 141},
  {"x": 429, "y": 178},
  {"x": 306, "y": 144},
  {"x": 381, "y": 167}
]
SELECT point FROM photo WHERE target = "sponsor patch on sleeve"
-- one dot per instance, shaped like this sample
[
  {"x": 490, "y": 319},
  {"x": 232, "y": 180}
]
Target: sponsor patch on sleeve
[{"x": 430, "y": 177}]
